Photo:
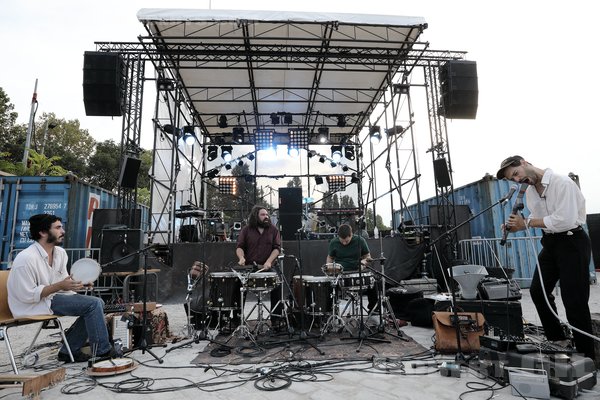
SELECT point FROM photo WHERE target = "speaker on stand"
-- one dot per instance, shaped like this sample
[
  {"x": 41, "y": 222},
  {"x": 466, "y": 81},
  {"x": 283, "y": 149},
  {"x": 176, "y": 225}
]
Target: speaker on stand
[
  {"x": 116, "y": 245},
  {"x": 290, "y": 212}
]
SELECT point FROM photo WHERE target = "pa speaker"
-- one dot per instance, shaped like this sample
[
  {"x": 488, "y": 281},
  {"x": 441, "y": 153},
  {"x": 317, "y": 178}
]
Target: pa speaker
[
  {"x": 441, "y": 173},
  {"x": 459, "y": 89},
  {"x": 130, "y": 169},
  {"x": 290, "y": 212},
  {"x": 119, "y": 250},
  {"x": 103, "y": 83},
  {"x": 103, "y": 218}
]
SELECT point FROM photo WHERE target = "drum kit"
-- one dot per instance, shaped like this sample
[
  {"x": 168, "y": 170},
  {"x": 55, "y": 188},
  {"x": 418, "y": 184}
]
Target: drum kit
[{"x": 318, "y": 298}]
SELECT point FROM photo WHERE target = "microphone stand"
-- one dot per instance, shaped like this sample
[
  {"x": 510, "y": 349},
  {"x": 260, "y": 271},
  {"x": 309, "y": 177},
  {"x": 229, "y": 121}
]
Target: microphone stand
[
  {"x": 143, "y": 345},
  {"x": 460, "y": 357}
]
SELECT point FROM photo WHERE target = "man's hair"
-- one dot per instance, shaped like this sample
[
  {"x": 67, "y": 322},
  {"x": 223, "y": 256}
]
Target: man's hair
[
  {"x": 41, "y": 223},
  {"x": 344, "y": 231},
  {"x": 253, "y": 218}
]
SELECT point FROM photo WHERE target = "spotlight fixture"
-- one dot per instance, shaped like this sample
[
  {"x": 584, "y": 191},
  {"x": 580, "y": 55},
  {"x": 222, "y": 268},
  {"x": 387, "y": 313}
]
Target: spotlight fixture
[
  {"x": 189, "y": 136},
  {"x": 237, "y": 133},
  {"x": 240, "y": 163},
  {"x": 333, "y": 164},
  {"x": 228, "y": 166},
  {"x": 354, "y": 178},
  {"x": 341, "y": 120},
  {"x": 323, "y": 135},
  {"x": 250, "y": 157},
  {"x": 274, "y": 118},
  {"x": 375, "y": 134},
  {"x": 336, "y": 153},
  {"x": 293, "y": 151},
  {"x": 336, "y": 183},
  {"x": 165, "y": 84},
  {"x": 170, "y": 129},
  {"x": 318, "y": 180},
  {"x": 312, "y": 153},
  {"x": 287, "y": 118},
  {"x": 345, "y": 168},
  {"x": 395, "y": 130},
  {"x": 226, "y": 152},
  {"x": 223, "y": 121},
  {"x": 322, "y": 159},
  {"x": 212, "y": 173},
  {"x": 349, "y": 152},
  {"x": 228, "y": 184},
  {"x": 400, "y": 88},
  {"x": 212, "y": 152},
  {"x": 263, "y": 139}
]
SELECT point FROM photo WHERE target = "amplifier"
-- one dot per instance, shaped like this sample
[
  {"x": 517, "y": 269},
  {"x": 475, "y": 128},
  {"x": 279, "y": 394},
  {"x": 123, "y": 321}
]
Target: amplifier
[{"x": 499, "y": 289}]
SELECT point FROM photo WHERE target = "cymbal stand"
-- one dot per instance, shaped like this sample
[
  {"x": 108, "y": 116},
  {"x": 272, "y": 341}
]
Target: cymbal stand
[
  {"x": 259, "y": 306},
  {"x": 243, "y": 329},
  {"x": 285, "y": 307},
  {"x": 383, "y": 302},
  {"x": 335, "y": 315}
]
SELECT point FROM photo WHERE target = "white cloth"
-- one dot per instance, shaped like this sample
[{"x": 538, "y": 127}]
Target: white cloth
[
  {"x": 561, "y": 205},
  {"x": 29, "y": 274}
]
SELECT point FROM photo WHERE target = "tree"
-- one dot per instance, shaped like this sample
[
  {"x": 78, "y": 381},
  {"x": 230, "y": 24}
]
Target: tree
[
  {"x": 295, "y": 182},
  {"x": 103, "y": 166},
  {"x": 12, "y": 136},
  {"x": 40, "y": 165}
]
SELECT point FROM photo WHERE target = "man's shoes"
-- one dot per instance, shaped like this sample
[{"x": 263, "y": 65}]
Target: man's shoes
[
  {"x": 111, "y": 353},
  {"x": 78, "y": 357}
]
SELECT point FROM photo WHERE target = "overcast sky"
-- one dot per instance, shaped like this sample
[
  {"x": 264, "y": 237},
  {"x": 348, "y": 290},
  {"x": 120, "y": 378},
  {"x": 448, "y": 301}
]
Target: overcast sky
[{"x": 537, "y": 67}]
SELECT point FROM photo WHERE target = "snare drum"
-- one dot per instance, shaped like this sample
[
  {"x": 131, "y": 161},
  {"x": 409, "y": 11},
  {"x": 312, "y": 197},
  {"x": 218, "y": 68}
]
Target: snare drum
[
  {"x": 263, "y": 281},
  {"x": 224, "y": 291},
  {"x": 332, "y": 269},
  {"x": 354, "y": 282},
  {"x": 314, "y": 291}
]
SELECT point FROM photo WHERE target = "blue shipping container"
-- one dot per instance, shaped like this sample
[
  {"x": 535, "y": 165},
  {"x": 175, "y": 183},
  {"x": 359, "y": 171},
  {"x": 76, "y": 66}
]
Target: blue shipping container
[{"x": 65, "y": 196}]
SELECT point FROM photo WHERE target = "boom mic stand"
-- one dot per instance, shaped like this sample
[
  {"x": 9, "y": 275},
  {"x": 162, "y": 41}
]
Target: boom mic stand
[
  {"x": 460, "y": 357},
  {"x": 143, "y": 345}
]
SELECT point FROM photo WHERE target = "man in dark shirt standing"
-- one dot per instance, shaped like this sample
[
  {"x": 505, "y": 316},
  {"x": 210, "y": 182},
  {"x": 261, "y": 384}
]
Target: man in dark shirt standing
[{"x": 259, "y": 243}]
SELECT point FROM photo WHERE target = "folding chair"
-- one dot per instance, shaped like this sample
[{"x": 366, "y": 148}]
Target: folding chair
[{"x": 8, "y": 321}]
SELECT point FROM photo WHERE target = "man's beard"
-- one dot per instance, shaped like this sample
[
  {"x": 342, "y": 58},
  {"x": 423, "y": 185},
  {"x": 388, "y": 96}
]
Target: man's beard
[
  {"x": 265, "y": 223},
  {"x": 52, "y": 239}
]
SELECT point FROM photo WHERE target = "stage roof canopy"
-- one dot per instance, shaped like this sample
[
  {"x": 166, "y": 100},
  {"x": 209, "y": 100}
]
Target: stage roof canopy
[{"x": 312, "y": 70}]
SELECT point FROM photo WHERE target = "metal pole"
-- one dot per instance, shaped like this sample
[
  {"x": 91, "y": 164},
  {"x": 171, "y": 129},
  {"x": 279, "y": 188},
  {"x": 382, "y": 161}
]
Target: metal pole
[{"x": 30, "y": 127}]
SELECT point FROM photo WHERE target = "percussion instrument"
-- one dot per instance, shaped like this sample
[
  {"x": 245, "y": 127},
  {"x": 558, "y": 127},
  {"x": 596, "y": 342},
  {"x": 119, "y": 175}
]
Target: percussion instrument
[
  {"x": 262, "y": 281},
  {"x": 332, "y": 269},
  {"x": 224, "y": 291},
  {"x": 314, "y": 291},
  {"x": 354, "y": 281},
  {"x": 112, "y": 367},
  {"x": 85, "y": 270}
]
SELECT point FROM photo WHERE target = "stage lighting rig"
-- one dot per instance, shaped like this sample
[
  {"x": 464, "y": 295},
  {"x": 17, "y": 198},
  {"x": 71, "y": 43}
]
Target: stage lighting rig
[
  {"x": 375, "y": 134},
  {"x": 323, "y": 135},
  {"x": 336, "y": 183},
  {"x": 228, "y": 184},
  {"x": 212, "y": 152},
  {"x": 226, "y": 152},
  {"x": 263, "y": 139}
]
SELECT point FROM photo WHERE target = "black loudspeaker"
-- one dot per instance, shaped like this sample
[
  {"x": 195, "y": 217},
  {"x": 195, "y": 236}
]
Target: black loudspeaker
[
  {"x": 290, "y": 212},
  {"x": 130, "y": 168},
  {"x": 188, "y": 233},
  {"x": 459, "y": 89},
  {"x": 119, "y": 243},
  {"x": 103, "y": 83},
  {"x": 441, "y": 173},
  {"x": 106, "y": 217}
]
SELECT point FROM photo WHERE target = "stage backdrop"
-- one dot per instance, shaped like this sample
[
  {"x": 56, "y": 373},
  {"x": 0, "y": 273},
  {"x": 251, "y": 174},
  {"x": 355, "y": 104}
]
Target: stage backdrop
[{"x": 401, "y": 261}]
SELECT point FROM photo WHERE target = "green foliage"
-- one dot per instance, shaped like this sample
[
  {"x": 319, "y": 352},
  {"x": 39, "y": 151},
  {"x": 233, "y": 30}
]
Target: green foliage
[
  {"x": 103, "y": 164},
  {"x": 40, "y": 165}
]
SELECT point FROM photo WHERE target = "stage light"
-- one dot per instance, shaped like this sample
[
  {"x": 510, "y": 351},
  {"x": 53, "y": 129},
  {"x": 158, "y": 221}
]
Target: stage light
[
  {"x": 212, "y": 173},
  {"x": 189, "y": 136},
  {"x": 333, "y": 164},
  {"x": 226, "y": 152},
  {"x": 345, "y": 168},
  {"x": 237, "y": 134},
  {"x": 375, "y": 134},
  {"x": 212, "y": 152},
  {"x": 263, "y": 139},
  {"x": 298, "y": 140},
  {"x": 228, "y": 166},
  {"x": 400, "y": 88},
  {"x": 223, "y": 121},
  {"x": 395, "y": 130},
  {"x": 318, "y": 180},
  {"x": 240, "y": 163},
  {"x": 228, "y": 184},
  {"x": 165, "y": 85},
  {"x": 354, "y": 178},
  {"x": 274, "y": 118},
  {"x": 322, "y": 159},
  {"x": 336, "y": 183},
  {"x": 312, "y": 153},
  {"x": 250, "y": 157},
  {"x": 341, "y": 120},
  {"x": 287, "y": 118},
  {"x": 293, "y": 152},
  {"x": 336, "y": 153},
  {"x": 349, "y": 152},
  {"x": 323, "y": 135}
]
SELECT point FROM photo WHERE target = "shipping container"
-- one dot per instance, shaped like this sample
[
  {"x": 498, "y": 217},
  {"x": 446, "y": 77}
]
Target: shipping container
[
  {"x": 485, "y": 229},
  {"x": 72, "y": 200}
]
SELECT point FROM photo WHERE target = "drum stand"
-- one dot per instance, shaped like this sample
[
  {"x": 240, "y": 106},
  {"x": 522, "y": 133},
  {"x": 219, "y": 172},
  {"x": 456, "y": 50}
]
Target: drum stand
[
  {"x": 260, "y": 307},
  {"x": 284, "y": 305},
  {"x": 243, "y": 329},
  {"x": 335, "y": 318}
]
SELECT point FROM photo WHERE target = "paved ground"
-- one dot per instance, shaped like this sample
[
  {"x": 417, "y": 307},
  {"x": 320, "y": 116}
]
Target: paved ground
[{"x": 379, "y": 379}]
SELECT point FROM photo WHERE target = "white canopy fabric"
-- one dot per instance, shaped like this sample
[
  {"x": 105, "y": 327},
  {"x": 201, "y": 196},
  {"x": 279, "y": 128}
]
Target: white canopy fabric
[{"x": 247, "y": 65}]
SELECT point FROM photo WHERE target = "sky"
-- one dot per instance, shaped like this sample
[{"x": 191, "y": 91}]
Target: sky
[{"x": 536, "y": 61}]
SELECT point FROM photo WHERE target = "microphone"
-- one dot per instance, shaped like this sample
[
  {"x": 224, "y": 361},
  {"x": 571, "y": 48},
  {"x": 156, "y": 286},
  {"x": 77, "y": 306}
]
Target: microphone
[
  {"x": 518, "y": 205},
  {"x": 510, "y": 193}
]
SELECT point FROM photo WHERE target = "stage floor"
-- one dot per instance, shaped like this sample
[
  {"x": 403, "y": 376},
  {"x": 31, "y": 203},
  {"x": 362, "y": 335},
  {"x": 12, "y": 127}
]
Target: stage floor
[{"x": 361, "y": 376}]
